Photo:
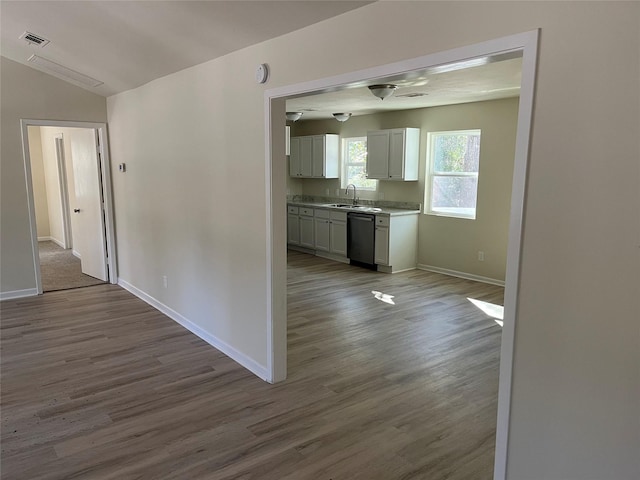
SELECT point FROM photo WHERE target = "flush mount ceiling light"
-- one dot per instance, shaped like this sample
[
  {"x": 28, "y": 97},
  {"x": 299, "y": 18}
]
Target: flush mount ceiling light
[
  {"x": 383, "y": 90},
  {"x": 63, "y": 72},
  {"x": 293, "y": 116},
  {"x": 342, "y": 117}
]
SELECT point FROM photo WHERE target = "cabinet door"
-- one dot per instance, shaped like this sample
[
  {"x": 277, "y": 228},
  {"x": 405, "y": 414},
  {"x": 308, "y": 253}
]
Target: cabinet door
[
  {"x": 338, "y": 231},
  {"x": 381, "y": 253},
  {"x": 293, "y": 229},
  {"x": 306, "y": 155},
  {"x": 396, "y": 154},
  {"x": 322, "y": 234},
  {"x": 294, "y": 157},
  {"x": 378, "y": 154},
  {"x": 306, "y": 232},
  {"x": 318, "y": 156}
]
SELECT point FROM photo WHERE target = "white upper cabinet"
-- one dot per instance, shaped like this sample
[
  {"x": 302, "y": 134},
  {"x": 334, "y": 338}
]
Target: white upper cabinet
[
  {"x": 314, "y": 156},
  {"x": 393, "y": 154}
]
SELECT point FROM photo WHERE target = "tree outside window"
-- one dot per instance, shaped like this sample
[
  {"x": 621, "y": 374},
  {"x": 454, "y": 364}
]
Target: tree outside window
[
  {"x": 354, "y": 164},
  {"x": 453, "y": 162}
]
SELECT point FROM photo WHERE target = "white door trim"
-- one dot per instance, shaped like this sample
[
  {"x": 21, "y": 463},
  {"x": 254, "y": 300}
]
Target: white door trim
[
  {"x": 105, "y": 172},
  {"x": 526, "y": 42},
  {"x": 64, "y": 190}
]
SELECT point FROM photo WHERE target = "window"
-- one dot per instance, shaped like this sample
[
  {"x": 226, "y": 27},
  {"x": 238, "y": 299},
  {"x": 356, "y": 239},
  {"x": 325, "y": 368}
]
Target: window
[
  {"x": 354, "y": 164},
  {"x": 453, "y": 160}
]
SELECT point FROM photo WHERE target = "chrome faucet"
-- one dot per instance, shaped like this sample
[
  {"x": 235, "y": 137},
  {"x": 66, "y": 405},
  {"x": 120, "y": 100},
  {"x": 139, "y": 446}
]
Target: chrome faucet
[{"x": 355, "y": 200}]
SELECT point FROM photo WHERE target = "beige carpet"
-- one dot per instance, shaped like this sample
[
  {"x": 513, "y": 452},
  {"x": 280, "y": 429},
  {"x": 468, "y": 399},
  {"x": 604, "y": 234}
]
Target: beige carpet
[{"x": 60, "y": 270}]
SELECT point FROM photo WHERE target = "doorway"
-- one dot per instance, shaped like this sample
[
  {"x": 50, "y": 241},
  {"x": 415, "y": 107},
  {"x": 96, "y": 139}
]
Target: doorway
[
  {"x": 69, "y": 193},
  {"x": 276, "y": 247}
]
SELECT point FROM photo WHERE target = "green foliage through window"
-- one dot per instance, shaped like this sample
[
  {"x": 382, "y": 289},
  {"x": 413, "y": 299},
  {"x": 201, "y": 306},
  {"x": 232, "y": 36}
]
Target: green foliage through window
[
  {"x": 453, "y": 167},
  {"x": 354, "y": 162}
]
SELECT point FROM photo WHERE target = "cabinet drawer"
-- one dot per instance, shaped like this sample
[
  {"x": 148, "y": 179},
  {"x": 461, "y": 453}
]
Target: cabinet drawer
[
  {"x": 293, "y": 210},
  {"x": 339, "y": 216},
  {"x": 321, "y": 213},
  {"x": 382, "y": 221},
  {"x": 306, "y": 211}
]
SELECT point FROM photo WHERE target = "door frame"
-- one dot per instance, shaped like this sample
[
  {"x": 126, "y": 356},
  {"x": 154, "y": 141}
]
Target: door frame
[
  {"x": 101, "y": 132},
  {"x": 64, "y": 190},
  {"x": 274, "y": 109}
]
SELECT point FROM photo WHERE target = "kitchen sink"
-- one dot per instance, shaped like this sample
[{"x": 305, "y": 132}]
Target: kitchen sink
[{"x": 363, "y": 208}]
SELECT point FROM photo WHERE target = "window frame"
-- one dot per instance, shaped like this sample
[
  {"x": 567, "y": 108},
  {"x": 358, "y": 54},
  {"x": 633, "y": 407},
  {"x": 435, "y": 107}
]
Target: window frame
[
  {"x": 431, "y": 175},
  {"x": 344, "y": 164}
]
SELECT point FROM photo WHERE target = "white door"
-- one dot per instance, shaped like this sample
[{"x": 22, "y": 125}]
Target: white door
[{"x": 89, "y": 237}]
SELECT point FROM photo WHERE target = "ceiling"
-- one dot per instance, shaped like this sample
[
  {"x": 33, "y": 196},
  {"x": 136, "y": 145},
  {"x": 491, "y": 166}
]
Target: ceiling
[
  {"x": 491, "y": 78},
  {"x": 125, "y": 44}
]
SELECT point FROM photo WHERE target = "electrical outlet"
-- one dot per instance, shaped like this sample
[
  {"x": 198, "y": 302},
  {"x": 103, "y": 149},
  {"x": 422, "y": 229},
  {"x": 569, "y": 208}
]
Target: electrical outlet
[
  {"x": 481, "y": 256},
  {"x": 165, "y": 281}
]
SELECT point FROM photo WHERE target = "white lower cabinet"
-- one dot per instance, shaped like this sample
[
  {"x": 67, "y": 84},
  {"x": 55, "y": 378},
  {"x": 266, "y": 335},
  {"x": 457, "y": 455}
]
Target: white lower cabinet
[
  {"x": 338, "y": 233},
  {"x": 324, "y": 231},
  {"x": 323, "y": 239},
  {"x": 293, "y": 226},
  {"x": 306, "y": 231},
  {"x": 381, "y": 251},
  {"x": 396, "y": 243}
]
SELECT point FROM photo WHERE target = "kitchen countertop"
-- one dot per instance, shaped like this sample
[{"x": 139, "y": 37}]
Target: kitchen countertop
[{"x": 382, "y": 210}]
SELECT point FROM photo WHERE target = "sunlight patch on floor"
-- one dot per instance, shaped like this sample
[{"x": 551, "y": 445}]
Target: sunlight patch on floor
[
  {"x": 383, "y": 297},
  {"x": 494, "y": 311}
]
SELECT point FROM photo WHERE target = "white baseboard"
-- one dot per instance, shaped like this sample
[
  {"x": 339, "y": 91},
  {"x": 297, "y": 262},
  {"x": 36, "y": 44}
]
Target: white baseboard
[
  {"x": 332, "y": 256},
  {"x": 76, "y": 254},
  {"x": 212, "y": 340},
  {"x": 44, "y": 239},
  {"x": 29, "y": 292},
  {"x": 467, "y": 276}
]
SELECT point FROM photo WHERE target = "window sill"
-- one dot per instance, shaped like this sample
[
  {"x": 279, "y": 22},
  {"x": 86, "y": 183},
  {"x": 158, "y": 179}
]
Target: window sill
[{"x": 452, "y": 214}]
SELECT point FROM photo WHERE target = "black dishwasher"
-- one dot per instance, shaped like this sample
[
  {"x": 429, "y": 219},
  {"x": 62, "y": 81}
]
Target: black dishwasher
[{"x": 361, "y": 233}]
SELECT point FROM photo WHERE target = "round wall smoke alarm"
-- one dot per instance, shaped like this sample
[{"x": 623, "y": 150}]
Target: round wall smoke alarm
[{"x": 262, "y": 73}]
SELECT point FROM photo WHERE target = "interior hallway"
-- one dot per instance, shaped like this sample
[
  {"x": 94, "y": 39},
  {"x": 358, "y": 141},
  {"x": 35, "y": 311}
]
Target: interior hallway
[
  {"x": 61, "y": 270},
  {"x": 99, "y": 385}
]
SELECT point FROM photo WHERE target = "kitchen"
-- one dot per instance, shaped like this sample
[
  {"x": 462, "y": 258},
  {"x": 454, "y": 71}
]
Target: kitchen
[{"x": 483, "y": 98}]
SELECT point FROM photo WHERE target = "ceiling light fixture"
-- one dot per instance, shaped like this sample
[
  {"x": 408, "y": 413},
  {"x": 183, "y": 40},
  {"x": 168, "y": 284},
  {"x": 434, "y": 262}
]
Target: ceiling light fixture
[
  {"x": 342, "y": 117},
  {"x": 383, "y": 90},
  {"x": 63, "y": 72},
  {"x": 293, "y": 116}
]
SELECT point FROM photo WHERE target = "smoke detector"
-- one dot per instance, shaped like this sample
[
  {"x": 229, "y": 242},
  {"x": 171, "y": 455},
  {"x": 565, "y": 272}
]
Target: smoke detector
[{"x": 33, "y": 39}]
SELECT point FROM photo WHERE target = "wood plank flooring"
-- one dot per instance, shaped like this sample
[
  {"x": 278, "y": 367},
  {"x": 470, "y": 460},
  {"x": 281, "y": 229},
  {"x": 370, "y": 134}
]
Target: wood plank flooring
[{"x": 98, "y": 385}]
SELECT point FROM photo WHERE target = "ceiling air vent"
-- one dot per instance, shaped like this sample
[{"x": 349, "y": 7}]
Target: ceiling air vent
[
  {"x": 413, "y": 95},
  {"x": 33, "y": 39}
]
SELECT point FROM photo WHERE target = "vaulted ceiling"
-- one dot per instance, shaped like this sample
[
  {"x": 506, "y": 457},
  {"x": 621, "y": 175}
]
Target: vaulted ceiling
[{"x": 125, "y": 44}]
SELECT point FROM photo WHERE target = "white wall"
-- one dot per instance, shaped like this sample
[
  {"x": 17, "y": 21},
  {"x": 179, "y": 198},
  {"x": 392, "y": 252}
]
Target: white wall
[
  {"x": 27, "y": 93},
  {"x": 191, "y": 205},
  {"x": 39, "y": 183},
  {"x": 193, "y": 201},
  {"x": 53, "y": 183},
  {"x": 69, "y": 137}
]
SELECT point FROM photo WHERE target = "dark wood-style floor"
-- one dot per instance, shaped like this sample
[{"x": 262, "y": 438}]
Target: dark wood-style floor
[{"x": 98, "y": 385}]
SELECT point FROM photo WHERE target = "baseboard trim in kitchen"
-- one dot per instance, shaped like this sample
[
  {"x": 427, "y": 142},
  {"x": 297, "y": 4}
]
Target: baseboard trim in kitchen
[
  {"x": 466, "y": 276},
  {"x": 28, "y": 292},
  {"x": 239, "y": 357}
]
